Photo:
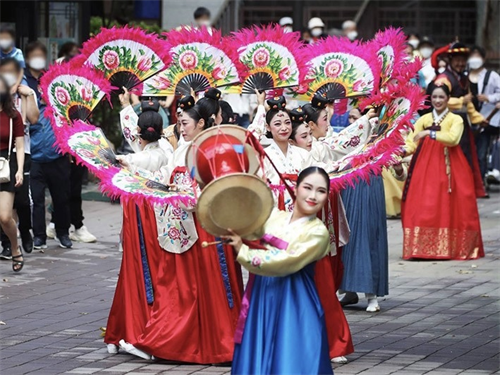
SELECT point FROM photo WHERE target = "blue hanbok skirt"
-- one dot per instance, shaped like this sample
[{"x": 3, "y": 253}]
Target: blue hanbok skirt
[{"x": 366, "y": 256}]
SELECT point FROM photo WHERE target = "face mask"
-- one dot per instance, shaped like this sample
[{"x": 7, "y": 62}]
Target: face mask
[
  {"x": 317, "y": 31},
  {"x": 441, "y": 69},
  {"x": 37, "y": 63},
  {"x": 10, "y": 78},
  {"x": 288, "y": 29},
  {"x": 206, "y": 23},
  {"x": 352, "y": 35},
  {"x": 5, "y": 43},
  {"x": 426, "y": 52},
  {"x": 413, "y": 43},
  {"x": 475, "y": 63}
]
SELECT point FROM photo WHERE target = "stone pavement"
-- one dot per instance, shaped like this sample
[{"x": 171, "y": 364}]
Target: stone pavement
[{"x": 439, "y": 318}]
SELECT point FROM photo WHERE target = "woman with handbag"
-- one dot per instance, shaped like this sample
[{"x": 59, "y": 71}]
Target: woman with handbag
[{"x": 11, "y": 176}]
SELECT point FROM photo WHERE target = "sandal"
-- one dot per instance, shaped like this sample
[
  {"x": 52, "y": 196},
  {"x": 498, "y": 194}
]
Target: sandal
[{"x": 17, "y": 265}]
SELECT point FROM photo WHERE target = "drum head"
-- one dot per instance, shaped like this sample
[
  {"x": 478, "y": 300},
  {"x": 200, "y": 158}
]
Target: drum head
[
  {"x": 241, "y": 202},
  {"x": 233, "y": 130}
]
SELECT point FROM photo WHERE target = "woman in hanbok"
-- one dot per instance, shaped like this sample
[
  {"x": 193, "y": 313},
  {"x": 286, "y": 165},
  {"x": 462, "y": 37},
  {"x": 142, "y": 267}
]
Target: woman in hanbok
[
  {"x": 274, "y": 135},
  {"x": 283, "y": 329},
  {"x": 366, "y": 256},
  {"x": 198, "y": 295},
  {"x": 439, "y": 214},
  {"x": 134, "y": 292}
]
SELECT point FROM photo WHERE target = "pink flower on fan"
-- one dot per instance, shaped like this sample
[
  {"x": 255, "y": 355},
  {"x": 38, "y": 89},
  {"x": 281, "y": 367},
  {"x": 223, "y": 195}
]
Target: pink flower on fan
[
  {"x": 219, "y": 72},
  {"x": 145, "y": 63},
  {"x": 85, "y": 153},
  {"x": 188, "y": 60},
  {"x": 174, "y": 233},
  {"x": 62, "y": 95},
  {"x": 93, "y": 140},
  {"x": 87, "y": 94},
  {"x": 111, "y": 60},
  {"x": 334, "y": 68},
  {"x": 161, "y": 83},
  {"x": 256, "y": 262},
  {"x": 261, "y": 57},
  {"x": 285, "y": 73},
  {"x": 359, "y": 86}
]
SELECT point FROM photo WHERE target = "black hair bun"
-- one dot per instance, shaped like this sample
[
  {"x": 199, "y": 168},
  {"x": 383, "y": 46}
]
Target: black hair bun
[
  {"x": 319, "y": 101},
  {"x": 150, "y": 104},
  {"x": 278, "y": 102},
  {"x": 212, "y": 93},
  {"x": 298, "y": 115},
  {"x": 185, "y": 103}
]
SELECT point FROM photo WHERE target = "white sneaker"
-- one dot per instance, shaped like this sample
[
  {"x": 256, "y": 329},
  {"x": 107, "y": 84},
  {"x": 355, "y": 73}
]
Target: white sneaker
[
  {"x": 82, "y": 235},
  {"x": 340, "y": 359},
  {"x": 51, "y": 231},
  {"x": 131, "y": 349},
  {"x": 112, "y": 348},
  {"x": 372, "y": 303}
]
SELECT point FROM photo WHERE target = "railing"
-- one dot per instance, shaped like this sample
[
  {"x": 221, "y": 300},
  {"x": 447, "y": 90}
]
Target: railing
[{"x": 227, "y": 19}]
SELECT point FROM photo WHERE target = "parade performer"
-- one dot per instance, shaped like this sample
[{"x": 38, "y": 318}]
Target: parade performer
[
  {"x": 439, "y": 214},
  {"x": 328, "y": 273},
  {"x": 283, "y": 330},
  {"x": 198, "y": 294},
  {"x": 461, "y": 104},
  {"x": 134, "y": 294}
]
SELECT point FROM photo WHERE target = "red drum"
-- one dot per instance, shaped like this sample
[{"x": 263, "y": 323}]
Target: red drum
[{"x": 225, "y": 166}]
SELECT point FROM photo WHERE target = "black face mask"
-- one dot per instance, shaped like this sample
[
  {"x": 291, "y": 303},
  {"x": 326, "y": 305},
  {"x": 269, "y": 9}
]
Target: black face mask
[{"x": 3, "y": 97}]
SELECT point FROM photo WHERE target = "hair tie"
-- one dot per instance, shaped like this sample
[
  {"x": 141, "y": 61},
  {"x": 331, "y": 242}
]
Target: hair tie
[{"x": 150, "y": 129}]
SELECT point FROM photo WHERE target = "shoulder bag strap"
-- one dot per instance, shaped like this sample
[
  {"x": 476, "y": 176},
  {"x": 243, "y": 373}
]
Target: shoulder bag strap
[{"x": 10, "y": 139}]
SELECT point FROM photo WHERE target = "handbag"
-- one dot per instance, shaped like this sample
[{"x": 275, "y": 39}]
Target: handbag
[{"x": 4, "y": 163}]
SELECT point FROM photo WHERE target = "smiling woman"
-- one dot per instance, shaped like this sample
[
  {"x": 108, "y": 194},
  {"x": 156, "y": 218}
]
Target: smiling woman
[{"x": 283, "y": 329}]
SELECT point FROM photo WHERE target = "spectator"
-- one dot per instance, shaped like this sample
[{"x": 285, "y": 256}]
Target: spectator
[
  {"x": 49, "y": 169},
  {"x": 485, "y": 88},
  {"x": 67, "y": 51},
  {"x": 8, "y": 50},
  {"x": 287, "y": 24},
  {"x": 306, "y": 36},
  {"x": 317, "y": 29},
  {"x": 36, "y": 59},
  {"x": 426, "y": 48},
  {"x": 25, "y": 102},
  {"x": 202, "y": 17},
  {"x": 10, "y": 116},
  {"x": 413, "y": 40},
  {"x": 350, "y": 29}
]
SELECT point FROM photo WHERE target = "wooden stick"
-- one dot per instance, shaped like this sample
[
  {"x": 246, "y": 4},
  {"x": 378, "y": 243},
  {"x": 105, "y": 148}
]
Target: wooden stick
[{"x": 207, "y": 244}]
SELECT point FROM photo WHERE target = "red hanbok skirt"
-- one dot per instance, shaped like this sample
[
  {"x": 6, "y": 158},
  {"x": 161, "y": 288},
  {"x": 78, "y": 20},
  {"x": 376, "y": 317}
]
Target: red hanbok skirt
[
  {"x": 130, "y": 309},
  {"x": 196, "y": 306},
  {"x": 439, "y": 212}
]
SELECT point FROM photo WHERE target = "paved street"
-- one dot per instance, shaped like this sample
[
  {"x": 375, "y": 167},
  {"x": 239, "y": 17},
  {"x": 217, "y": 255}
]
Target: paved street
[{"x": 439, "y": 318}]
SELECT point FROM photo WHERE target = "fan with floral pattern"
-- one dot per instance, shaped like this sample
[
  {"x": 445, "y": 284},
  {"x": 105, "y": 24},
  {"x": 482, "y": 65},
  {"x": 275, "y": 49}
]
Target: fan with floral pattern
[
  {"x": 201, "y": 59},
  {"x": 126, "y": 55},
  {"x": 390, "y": 46},
  {"x": 272, "y": 58},
  {"x": 72, "y": 92},
  {"x": 340, "y": 69}
]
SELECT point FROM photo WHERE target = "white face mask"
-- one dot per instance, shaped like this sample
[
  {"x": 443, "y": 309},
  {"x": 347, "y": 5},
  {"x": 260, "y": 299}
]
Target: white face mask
[
  {"x": 10, "y": 78},
  {"x": 441, "y": 69},
  {"x": 206, "y": 23},
  {"x": 414, "y": 43},
  {"x": 288, "y": 29},
  {"x": 5, "y": 43},
  {"x": 475, "y": 62},
  {"x": 37, "y": 63},
  {"x": 317, "y": 31},
  {"x": 352, "y": 35},
  {"x": 426, "y": 52}
]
